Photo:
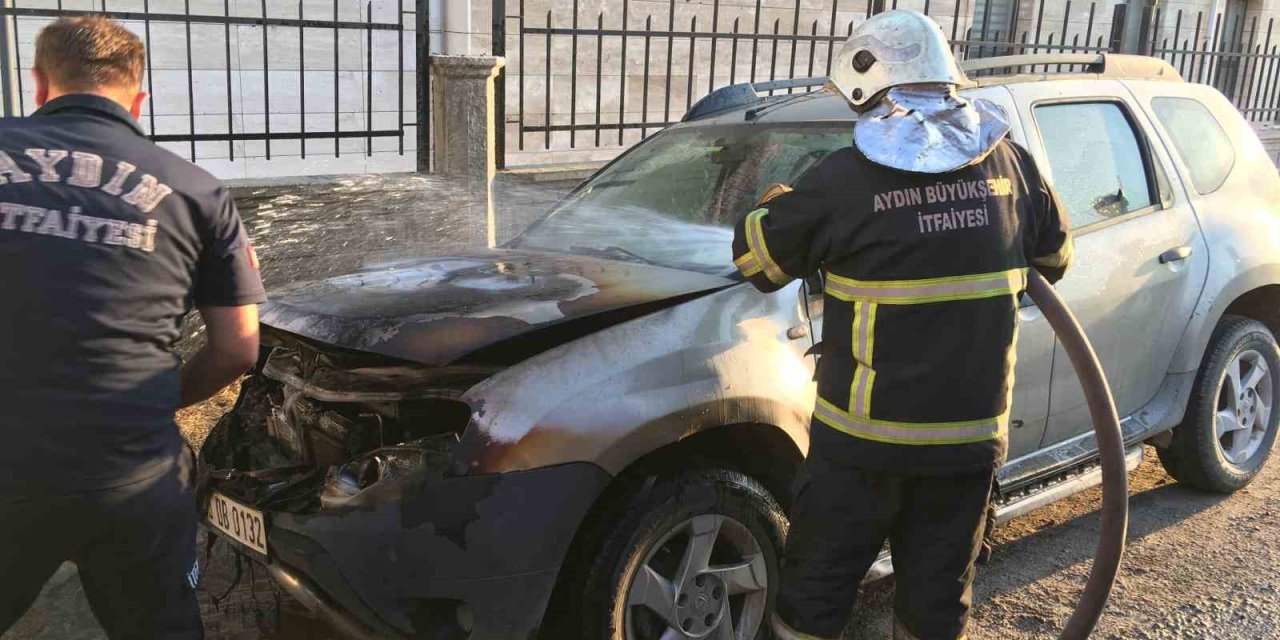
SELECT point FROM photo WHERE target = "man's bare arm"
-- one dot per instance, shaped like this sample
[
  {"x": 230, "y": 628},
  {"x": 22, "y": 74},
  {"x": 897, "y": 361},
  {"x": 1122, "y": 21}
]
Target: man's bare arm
[{"x": 231, "y": 349}]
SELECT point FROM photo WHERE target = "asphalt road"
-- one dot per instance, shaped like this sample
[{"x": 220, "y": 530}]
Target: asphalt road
[{"x": 1198, "y": 566}]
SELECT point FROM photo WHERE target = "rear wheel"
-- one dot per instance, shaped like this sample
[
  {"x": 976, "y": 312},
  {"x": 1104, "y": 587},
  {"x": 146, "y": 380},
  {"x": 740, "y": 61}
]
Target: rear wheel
[
  {"x": 1231, "y": 420},
  {"x": 695, "y": 556}
]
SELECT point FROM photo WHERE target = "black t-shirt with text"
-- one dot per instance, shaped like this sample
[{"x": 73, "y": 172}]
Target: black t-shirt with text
[{"x": 106, "y": 242}]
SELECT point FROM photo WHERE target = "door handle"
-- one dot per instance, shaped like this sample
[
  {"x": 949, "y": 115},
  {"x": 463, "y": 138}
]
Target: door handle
[{"x": 1175, "y": 254}]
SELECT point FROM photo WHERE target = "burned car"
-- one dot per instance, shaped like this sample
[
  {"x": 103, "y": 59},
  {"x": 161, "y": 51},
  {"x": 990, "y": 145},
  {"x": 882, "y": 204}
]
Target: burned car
[{"x": 591, "y": 430}]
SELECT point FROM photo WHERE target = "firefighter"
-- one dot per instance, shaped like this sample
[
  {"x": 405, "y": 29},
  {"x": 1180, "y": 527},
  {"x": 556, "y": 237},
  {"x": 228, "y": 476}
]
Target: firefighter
[
  {"x": 106, "y": 241},
  {"x": 923, "y": 230}
]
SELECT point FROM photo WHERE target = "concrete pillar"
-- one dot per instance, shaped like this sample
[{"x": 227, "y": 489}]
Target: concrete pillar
[{"x": 465, "y": 118}]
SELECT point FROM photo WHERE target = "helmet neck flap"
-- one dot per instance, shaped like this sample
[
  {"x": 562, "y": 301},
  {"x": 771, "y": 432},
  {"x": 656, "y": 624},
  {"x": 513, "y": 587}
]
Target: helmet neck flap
[{"x": 929, "y": 129}]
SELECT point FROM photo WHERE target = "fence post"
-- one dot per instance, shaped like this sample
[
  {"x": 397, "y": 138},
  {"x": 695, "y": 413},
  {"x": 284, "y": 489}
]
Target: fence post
[
  {"x": 498, "y": 46},
  {"x": 422, "y": 37},
  {"x": 466, "y": 125},
  {"x": 11, "y": 101}
]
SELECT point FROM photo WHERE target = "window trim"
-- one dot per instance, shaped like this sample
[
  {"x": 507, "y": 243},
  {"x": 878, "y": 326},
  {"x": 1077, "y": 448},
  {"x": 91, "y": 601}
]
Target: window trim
[
  {"x": 1167, "y": 136},
  {"x": 1144, "y": 149}
]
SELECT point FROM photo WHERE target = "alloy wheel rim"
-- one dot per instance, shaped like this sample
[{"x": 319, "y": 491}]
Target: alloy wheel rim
[
  {"x": 706, "y": 578},
  {"x": 1245, "y": 402}
]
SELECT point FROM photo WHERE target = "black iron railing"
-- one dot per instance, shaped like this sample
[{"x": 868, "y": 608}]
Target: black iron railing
[
  {"x": 326, "y": 31},
  {"x": 560, "y": 52},
  {"x": 1231, "y": 52}
]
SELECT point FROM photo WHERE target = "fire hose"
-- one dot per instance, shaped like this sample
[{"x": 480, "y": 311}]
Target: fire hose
[{"x": 1115, "y": 478}]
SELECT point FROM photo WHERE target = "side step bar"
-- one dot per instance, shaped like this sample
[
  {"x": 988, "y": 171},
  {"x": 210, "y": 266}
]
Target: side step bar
[
  {"x": 1053, "y": 490},
  {"x": 1061, "y": 488}
]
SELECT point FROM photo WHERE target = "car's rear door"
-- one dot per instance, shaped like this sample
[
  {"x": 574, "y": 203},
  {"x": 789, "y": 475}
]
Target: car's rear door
[{"x": 1140, "y": 261}]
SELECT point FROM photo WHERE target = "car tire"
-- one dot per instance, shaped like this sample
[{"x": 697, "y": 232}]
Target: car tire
[
  {"x": 1208, "y": 450},
  {"x": 654, "y": 532}
]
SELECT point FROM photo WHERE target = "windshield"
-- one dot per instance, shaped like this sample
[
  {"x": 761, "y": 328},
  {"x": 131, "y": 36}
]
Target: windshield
[{"x": 673, "y": 200}]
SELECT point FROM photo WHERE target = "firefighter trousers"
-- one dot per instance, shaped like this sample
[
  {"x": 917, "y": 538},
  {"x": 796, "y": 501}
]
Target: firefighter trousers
[{"x": 841, "y": 516}]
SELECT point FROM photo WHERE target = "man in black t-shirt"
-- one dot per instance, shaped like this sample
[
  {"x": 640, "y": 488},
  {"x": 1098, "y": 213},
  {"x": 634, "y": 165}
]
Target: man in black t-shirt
[
  {"x": 106, "y": 242},
  {"x": 924, "y": 231}
]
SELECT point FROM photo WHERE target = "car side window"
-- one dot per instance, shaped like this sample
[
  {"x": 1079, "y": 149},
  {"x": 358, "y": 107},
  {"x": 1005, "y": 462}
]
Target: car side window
[
  {"x": 1199, "y": 139},
  {"x": 1096, "y": 159}
]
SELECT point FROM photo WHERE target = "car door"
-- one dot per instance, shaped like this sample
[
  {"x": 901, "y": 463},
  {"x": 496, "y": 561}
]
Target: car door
[
  {"x": 1029, "y": 412},
  {"x": 1139, "y": 260}
]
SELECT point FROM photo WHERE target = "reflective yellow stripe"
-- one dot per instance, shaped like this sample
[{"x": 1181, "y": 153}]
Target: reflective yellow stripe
[
  {"x": 748, "y": 264},
  {"x": 1060, "y": 258},
  {"x": 755, "y": 242},
  {"x": 913, "y": 433},
  {"x": 970, "y": 287},
  {"x": 864, "y": 376}
]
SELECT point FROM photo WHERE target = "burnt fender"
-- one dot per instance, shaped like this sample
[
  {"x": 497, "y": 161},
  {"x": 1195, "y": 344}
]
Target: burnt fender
[{"x": 613, "y": 396}]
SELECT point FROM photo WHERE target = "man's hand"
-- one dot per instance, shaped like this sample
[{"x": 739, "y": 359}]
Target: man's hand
[
  {"x": 776, "y": 189},
  {"x": 231, "y": 349}
]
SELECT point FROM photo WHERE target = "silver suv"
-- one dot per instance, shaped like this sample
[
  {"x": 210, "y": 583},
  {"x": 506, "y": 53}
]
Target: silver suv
[{"x": 575, "y": 432}]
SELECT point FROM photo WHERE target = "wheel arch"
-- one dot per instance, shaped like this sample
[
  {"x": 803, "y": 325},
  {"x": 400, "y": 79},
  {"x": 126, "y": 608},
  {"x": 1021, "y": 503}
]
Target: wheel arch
[
  {"x": 767, "y": 453},
  {"x": 764, "y": 452},
  {"x": 1253, "y": 294},
  {"x": 1261, "y": 304}
]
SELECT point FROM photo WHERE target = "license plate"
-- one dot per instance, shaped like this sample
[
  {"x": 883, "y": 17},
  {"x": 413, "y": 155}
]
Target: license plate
[{"x": 240, "y": 523}]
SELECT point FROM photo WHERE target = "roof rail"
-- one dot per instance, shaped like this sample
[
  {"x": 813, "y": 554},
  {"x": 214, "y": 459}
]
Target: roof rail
[
  {"x": 1110, "y": 65},
  {"x": 743, "y": 94}
]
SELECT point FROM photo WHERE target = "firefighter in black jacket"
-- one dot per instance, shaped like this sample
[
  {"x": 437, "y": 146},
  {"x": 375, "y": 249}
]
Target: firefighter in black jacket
[{"x": 924, "y": 230}]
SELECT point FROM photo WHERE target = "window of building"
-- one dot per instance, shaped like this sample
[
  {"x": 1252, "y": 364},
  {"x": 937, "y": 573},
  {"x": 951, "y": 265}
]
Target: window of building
[
  {"x": 1096, "y": 160},
  {"x": 1199, "y": 139}
]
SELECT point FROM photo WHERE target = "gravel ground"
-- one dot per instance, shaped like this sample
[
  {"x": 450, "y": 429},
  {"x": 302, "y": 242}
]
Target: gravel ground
[{"x": 1198, "y": 566}]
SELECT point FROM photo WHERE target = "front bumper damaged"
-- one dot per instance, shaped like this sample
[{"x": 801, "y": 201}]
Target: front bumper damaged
[{"x": 425, "y": 555}]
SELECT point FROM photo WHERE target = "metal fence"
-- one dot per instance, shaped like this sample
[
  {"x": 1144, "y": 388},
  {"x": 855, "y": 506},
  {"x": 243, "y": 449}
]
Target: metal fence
[
  {"x": 567, "y": 65},
  {"x": 1234, "y": 54},
  {"x": 214, "y": 39}
]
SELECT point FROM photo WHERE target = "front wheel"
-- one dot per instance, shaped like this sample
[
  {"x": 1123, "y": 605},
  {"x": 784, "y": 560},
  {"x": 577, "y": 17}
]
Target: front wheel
[
  {"x": 695, "y": 556},
  {"x": 1231, "y": 420}
]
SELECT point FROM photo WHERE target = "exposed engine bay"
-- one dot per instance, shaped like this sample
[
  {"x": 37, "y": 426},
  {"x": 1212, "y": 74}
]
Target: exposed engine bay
[{"x": 316, "y": 426}]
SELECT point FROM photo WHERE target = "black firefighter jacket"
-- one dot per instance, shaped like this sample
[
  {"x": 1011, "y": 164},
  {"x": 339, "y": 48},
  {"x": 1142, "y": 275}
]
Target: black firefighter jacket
[{"x": 923, "y": 273}]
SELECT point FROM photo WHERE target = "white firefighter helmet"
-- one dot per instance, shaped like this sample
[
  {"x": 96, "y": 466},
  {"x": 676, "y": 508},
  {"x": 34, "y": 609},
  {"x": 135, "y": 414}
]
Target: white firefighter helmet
[{"x": 889, "y": 50}]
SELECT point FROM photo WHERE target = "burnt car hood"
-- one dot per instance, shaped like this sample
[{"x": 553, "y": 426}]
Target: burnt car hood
[{"x": 438, "y": 310}]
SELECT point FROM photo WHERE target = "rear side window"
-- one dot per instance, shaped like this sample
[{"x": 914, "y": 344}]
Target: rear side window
[
  {"x": 1096, "y": 159},
  {"x": 1199, "y": 139}
]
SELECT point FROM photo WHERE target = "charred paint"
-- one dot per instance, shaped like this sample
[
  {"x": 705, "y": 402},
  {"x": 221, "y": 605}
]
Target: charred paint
[
  {"x": 449, "y": 513},
  {"x": 435, "y": 311}
]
